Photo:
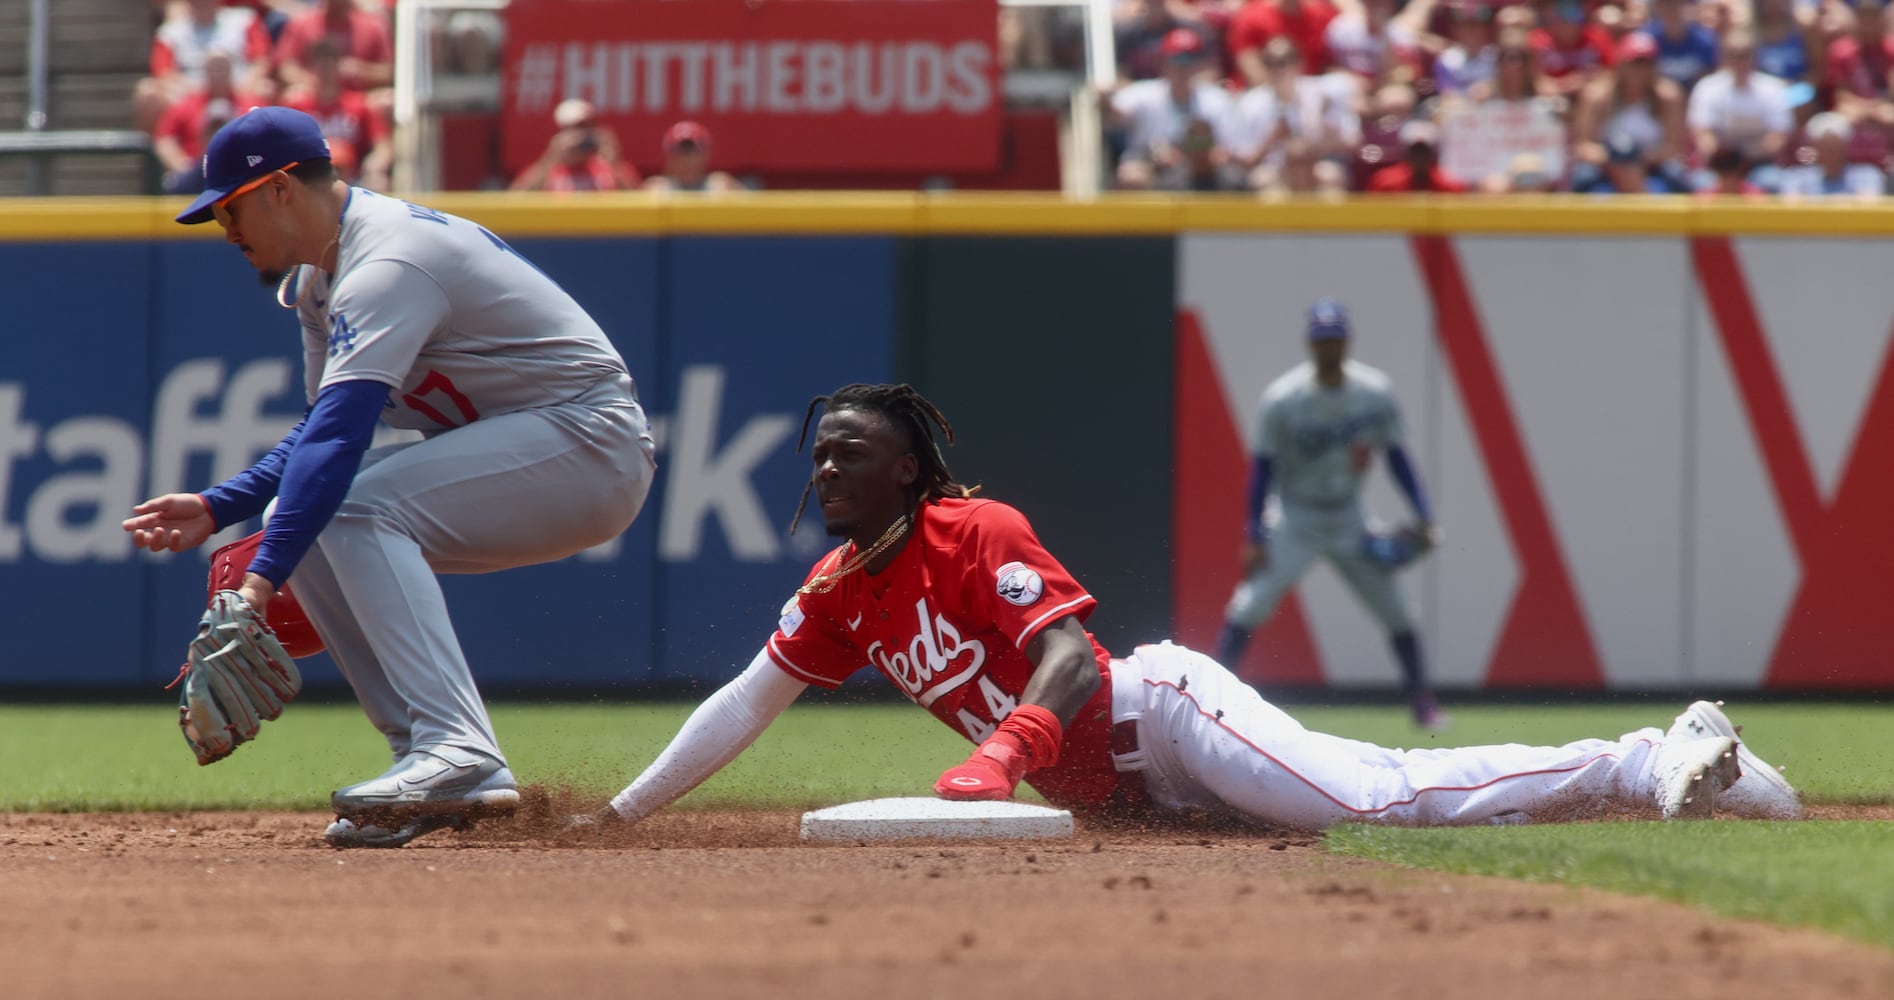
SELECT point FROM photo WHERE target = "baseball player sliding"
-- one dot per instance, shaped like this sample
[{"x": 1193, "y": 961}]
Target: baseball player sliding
[
  {"x": 1317, "y": 430},
  {"x": 953, "y": 600},
  {"x": 534, "y": 448}
]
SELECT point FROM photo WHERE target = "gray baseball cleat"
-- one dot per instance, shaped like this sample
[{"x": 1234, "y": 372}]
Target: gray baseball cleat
[
  {"x": 345, "y": 834},
  {"x": 431, "y": 782},
  {"x": 1691, "y": 773},
  {"x": 1762, "y": 792}
]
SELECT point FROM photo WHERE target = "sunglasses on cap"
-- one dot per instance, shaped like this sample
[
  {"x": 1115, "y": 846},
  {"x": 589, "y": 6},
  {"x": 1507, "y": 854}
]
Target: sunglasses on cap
[{"x": 222, "y": 214}]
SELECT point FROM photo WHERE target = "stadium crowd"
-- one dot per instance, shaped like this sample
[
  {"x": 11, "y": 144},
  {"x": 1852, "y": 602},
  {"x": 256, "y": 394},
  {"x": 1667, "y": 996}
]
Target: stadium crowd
[
  {"x": 211, "y": 60},
  {"x": 1275, "y": 96},
  {"x": 334, "y": 59},
  {"x": 1594, "y": 96}
]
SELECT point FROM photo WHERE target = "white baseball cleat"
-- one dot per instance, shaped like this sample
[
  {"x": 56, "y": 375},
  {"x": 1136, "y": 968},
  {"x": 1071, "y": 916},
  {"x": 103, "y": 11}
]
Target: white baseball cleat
[
  {"x": 1762, "y": 792},
  {"x": 1690, "y": 774},
  {"x": 435, "y": 781}
]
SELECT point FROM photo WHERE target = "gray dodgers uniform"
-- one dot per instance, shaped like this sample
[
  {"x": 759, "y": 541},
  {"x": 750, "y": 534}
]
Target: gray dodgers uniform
[
  {"x": 1321, "y": 443},
  {"x": 549, "y": 451}
]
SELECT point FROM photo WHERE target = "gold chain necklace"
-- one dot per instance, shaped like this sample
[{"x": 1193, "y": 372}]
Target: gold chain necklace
[
  {"x": 282, "y": 287},
  {"x": 826, "y": 582}
]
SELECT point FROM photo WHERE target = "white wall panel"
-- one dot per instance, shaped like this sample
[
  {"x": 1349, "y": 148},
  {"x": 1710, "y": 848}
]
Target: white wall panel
[
  {"x": 1744, "y": 570},
  {"x": 1825, "y": 307},
  {"x": 1589, "y": 338}
]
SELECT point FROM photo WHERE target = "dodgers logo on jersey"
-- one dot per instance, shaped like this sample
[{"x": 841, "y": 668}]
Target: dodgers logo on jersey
[
  {"x": 1317, "y": 439},
  {"x": 1020, "y": 584},
  {"x": 936, "y": 661},
  {"x": 341, "y": 335}
]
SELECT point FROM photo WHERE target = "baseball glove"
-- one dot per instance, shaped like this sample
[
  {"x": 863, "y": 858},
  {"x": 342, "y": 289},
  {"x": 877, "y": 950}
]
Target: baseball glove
[
  {"x": 1398, "y": 548},
  {"x": 238, "y": 677}
]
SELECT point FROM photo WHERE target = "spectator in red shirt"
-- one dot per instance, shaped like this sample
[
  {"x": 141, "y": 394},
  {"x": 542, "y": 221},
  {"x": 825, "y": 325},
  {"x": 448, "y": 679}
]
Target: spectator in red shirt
[
  {"x": 1419, "y": 169},
  {"x": 357, "y": 133},
  {"x": 368, "y": 59},
  {"x": 1304, "y": 22},
  {"x": 1571, "y": 50},
  {"x": 191, "y": 120},
  {"x": 1859, "y": 64},
  {"x": 582, "y": 156}
]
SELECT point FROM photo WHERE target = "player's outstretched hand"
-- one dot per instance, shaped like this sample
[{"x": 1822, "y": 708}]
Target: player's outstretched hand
[
  {"x": 1028, "y": 739},
  {"x": 980, "y": 777},
  {"x": 174, "y": 522}
]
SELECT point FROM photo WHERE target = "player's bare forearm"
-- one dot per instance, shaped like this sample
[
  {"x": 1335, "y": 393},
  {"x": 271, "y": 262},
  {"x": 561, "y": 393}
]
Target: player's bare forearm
[{"x": 1065, "y": 675}]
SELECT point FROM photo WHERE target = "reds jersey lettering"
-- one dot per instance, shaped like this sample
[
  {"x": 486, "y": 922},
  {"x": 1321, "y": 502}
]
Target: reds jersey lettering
[
  {"x": 937, "y": 651},
  {"x": 948, "y": 622}
]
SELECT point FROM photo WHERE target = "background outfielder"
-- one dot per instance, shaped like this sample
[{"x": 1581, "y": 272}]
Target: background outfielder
[
  {"x": 534, "y": 448},
  {"x": 954, "y": 600},
  {"x": 1318, "y": 428}
]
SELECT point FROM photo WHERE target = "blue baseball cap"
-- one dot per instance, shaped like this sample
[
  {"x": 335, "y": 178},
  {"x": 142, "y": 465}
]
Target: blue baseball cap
[
  {"x": 254, "y": 144},
  {"x": 1327, "y": 319}
]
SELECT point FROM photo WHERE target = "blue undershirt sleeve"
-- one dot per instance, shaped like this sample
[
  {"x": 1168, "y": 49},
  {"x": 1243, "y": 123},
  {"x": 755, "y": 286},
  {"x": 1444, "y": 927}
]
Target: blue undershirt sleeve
[
  {"x": 1259, "y": 491},
  {"x": 244, "y": 495},
  {"x": 1409, "y": 482},
  {"x": 317, "y": 473}
]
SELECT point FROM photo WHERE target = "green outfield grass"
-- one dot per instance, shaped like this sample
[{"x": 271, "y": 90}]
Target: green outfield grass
[
  {"x": 1835, "y": 875},
  {"x": 65, "y": 758},
  {"x": 56, "y": 757},
  {"x": 1838, "y": 876}
]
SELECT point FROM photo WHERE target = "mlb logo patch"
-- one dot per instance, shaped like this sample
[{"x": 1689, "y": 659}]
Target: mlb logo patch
[{"x": 1020, "y": 584}]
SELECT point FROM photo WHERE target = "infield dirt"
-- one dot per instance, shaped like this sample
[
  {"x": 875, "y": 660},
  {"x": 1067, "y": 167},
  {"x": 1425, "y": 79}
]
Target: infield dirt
[{"x": 731, "y": 904}]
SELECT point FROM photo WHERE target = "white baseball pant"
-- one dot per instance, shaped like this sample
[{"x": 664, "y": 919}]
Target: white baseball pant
[{"x": 1207, "y": 741}]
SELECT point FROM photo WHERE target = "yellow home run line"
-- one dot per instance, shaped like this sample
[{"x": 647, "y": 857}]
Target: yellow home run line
[{"x": 972, "y": 214}]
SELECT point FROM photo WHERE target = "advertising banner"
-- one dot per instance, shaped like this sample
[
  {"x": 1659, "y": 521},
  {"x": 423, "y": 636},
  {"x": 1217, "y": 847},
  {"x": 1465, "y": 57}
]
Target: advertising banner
[
  {"x": 789, "y": 85},
  {"x": 187, "y": 372}
]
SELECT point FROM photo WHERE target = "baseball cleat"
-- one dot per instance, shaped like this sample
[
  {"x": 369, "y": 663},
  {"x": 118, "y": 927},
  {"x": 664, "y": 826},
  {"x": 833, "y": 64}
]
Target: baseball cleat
[
  {"x": 431, "y": 782},
  {"x": 1690, "y": 774},
  {"x": 345, "y": 834},
  {"x": 1429, "y": 715},
  {"x": 1762, "y": 792}
]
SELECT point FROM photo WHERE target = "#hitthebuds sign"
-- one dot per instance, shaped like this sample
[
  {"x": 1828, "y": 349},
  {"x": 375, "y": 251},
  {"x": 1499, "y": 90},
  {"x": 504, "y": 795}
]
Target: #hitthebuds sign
[{"x": 784, "y": 85}]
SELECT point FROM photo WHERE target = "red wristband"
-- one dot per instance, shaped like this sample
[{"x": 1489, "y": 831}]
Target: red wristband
[{"x": 1038, "y": 729}]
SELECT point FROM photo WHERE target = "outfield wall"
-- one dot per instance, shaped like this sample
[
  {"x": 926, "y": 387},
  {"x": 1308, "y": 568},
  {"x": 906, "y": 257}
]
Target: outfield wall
[{"x": 1657, "y": 433}]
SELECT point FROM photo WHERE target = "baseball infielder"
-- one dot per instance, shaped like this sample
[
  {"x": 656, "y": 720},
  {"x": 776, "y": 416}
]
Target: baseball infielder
[
  {"x": 534, "y": 448},
  {"x": 954, "y": 600},
  {"x": 1317, "y": 430}
]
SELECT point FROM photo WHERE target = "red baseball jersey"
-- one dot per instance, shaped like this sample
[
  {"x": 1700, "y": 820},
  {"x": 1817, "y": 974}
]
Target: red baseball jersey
[{"x": 948, "y": 622}]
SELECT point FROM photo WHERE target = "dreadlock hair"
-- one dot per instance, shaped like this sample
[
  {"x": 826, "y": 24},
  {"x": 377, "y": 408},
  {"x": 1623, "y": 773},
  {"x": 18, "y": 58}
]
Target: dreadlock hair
[{"x": 907, "y": 409}]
